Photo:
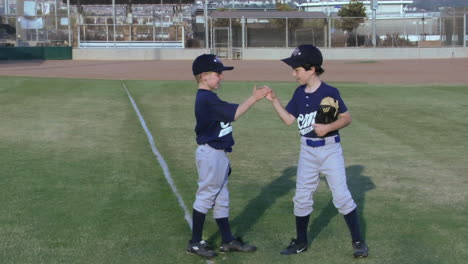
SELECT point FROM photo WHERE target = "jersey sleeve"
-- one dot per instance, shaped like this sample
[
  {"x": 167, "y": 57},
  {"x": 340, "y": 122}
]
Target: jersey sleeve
[
  {"x": 223, "y": 111},
  {"x": 291, "y": 107},
  {"x": 342, "y": 108}
]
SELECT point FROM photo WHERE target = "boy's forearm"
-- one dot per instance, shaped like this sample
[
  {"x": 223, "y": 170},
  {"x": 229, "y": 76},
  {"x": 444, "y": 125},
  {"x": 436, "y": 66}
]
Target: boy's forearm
[
  {"x": 343, "y": 121},
  {"x": 244, "y": 107},
  {"x": 284, "y": 115}
]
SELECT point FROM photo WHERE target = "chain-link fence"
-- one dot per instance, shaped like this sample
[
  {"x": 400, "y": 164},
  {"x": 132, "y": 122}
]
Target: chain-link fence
[
  {"x": 52, "y": 23},
  {"x": 130, "y": 34},
  {"x": 31, "y": 23},
  {"x": 28, "y": 23},
  {"x": 335, "y": 32}
]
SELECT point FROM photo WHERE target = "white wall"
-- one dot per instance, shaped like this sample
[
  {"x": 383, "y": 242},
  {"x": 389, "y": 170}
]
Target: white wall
[
  {"x": 363, "y": 53},
  {"x": 271, "y": 53},
  {"x": 135, "y": 54},
  {"x": 335, "y": 6}
]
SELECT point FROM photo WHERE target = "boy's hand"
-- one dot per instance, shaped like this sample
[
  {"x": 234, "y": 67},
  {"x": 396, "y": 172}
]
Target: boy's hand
[
  {"x": 321, "y": 129},
  {"x": 260, "y": 92},
  {"x": 271, "y": 96}
]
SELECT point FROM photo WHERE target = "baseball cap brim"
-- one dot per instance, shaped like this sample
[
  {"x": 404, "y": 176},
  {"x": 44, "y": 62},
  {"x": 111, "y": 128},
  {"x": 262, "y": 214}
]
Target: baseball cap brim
[
  {"x": 293, "y": 62},
  {"x": 217, "y": 69},
  {"x": 224, "y": 68}
]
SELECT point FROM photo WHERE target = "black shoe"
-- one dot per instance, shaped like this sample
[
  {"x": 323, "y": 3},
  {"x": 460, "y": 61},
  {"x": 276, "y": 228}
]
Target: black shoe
[
  {"x": 201, "y": 249},
  {"x": 236, "y": 245},
  {"x": 360, "y": 249},
  {"x": 295, "y": 247}
]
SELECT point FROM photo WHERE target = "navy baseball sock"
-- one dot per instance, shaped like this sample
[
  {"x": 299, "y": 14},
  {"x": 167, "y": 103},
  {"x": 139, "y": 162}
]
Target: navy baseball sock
[
  {"x": 225, "y": 229},
  {"x": 198, "y": 221},
  {"x": 352, "y": 220},
  {"x": 301, "y": 228}
]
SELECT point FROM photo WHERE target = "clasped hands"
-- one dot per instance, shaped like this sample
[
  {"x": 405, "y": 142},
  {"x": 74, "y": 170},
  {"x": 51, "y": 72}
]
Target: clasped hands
[{"x": 264, "y": 91}]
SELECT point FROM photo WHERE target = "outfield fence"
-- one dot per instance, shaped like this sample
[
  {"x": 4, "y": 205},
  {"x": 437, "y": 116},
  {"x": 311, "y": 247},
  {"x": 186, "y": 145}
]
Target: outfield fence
[{"x": 224, "y": 33}]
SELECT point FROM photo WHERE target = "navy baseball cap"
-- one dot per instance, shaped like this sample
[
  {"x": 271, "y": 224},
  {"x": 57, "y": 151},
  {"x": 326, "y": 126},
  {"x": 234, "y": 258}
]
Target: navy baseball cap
[
  {"x": 304, "y": 54},
  {"x": 208, "y": 63}
]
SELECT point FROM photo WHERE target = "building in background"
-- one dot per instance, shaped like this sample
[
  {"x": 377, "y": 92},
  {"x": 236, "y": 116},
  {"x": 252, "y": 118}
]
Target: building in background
[{"x": 330, "y": 7}]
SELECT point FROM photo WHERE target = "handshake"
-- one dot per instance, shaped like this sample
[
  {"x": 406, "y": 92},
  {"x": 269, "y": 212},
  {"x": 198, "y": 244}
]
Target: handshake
[{"x": 263, "y": 91}]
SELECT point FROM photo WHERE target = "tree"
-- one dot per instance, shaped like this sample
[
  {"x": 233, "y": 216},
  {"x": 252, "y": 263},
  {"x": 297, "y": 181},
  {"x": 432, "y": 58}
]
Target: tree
[
  {"x": 352, "y": 15},
  {"x": 281, "y": 22},
  {"x": 225, "y": 22}
]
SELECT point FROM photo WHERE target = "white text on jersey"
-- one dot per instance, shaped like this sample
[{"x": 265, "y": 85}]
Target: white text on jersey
[
  {"x": 304, "y": 122},
  {"x": 226, "y": 129}
]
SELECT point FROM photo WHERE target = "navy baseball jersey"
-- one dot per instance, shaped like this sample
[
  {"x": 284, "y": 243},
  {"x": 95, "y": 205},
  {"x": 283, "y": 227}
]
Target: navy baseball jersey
[
  {"x": 214, "y": 117},
  {"x": 304, "y": 107}
]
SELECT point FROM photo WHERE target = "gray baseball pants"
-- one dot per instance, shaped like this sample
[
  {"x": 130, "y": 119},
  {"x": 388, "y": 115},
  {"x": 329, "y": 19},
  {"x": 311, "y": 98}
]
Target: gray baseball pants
[
  {"x": 213, "y": 168},
  {"x": 328, "y": 160}
]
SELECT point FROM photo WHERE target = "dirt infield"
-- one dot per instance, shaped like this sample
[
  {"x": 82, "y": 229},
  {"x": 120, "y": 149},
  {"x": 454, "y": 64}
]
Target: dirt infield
[{"x": 428, "y": 71}]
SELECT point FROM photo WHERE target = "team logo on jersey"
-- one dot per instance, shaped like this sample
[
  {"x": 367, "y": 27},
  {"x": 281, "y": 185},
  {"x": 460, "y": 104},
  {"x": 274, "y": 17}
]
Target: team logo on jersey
[
  {"x": 305, "y": 122},
  {"x": 226, "y": 128}
]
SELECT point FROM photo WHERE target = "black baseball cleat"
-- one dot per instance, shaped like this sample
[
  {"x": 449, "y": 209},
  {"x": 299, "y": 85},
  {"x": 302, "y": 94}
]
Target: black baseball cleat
[
  {"x": 295, "y": 247},
  {"x": 237, "y": 245},
  {"x": 201, "y": 249},
  {"x": 360, "y": 249}
]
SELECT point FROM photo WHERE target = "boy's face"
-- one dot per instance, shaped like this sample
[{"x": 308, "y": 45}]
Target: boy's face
[
  {"x": 302, "y": 76},
  {"x": 212, "y": 80}
]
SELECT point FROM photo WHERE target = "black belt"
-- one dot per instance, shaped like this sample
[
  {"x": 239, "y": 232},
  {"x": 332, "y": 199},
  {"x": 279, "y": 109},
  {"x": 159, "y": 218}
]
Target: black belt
[
  {"x": 228, "y": 149},
  {"x": 322, "y": 142}
]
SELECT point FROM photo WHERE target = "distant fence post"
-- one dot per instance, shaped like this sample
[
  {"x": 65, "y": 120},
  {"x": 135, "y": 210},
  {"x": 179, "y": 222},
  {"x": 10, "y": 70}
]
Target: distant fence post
[
  {"x": 183, "y": 36},
  {"x": 243, "y": 34},
  {"x": 464, "y": 30},
  {"x": 79, "y": 36},
  {"x": 329, "y": 31},
  {"x": 69, "y": 24},
  {"x": 375, "y": 5},
  {"x": 113, "y": 21},
  {"x": 205, "y": 11}
]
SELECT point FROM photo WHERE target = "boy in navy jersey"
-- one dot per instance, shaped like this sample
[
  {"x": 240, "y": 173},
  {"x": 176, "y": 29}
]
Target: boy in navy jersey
[
  {"x": 321, "y": 150},
  {"x": 215, "y": 140}
]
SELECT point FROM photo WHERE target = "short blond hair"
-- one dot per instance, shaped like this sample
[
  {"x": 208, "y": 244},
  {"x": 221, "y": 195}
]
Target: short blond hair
[{"x": 198, "y": 78}]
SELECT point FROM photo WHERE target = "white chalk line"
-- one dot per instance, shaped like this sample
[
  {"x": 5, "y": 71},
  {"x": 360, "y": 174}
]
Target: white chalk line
[{"x": 160, "y": 158}]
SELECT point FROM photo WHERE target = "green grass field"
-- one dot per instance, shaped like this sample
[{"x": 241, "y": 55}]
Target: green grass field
[{"x": 80, "y": 183}]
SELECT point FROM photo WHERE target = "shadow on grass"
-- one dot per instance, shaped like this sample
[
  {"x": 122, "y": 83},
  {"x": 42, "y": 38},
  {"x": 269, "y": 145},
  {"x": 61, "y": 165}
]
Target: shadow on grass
[
  {"x": 358, "y": 185},
  {"x": 264, "y": 200}
]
